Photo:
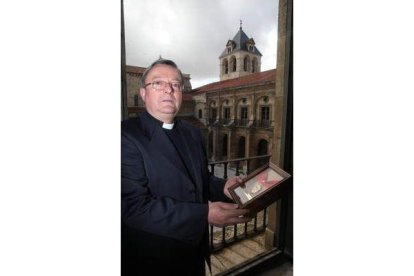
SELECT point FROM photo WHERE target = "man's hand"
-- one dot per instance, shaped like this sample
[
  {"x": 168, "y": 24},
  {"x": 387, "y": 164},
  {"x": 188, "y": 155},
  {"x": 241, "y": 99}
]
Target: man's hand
[
  {"x": 231, "y": 182},
  {"x": 222, "y": 214}
]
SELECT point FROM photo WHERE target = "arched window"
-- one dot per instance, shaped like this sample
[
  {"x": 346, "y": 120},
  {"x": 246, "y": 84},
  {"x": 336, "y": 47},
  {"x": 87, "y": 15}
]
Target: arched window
[
  {"x": 265, "y": 116},
  {"x": 200, "y": 113},
  {"x": 233, "y": 63},
  {"x": 246, "y": 63},
  {"x": 226, "y": 66},
  {"x": 243, "y": 116},
  {"x": 262, "y": 147},
  {"x": 254, "y": 69},
  {"x": 226, "y": 113},
  {"x": 213, "y": 115}
]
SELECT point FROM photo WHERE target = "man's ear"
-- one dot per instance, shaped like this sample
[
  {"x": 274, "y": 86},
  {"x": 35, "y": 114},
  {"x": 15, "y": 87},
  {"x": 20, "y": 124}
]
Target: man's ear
[{"x": 142, "y": 92}]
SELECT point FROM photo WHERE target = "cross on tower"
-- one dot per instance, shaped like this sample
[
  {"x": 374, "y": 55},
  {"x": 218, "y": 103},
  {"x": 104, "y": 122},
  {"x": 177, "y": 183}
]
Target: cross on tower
[{"x": 241, "y": 23}]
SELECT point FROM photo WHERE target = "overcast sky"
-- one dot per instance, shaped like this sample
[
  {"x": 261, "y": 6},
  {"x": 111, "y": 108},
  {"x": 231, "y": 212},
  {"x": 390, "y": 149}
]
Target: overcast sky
[{"x": 194, "y": 33}]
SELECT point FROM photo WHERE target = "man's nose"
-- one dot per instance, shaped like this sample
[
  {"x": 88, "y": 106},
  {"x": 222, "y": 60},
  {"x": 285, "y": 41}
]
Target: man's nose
[{"x": 168, "y": 88}]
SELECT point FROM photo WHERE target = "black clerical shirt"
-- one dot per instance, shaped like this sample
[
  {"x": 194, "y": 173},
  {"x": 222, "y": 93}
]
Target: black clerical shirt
[{"x": 178, "y": 141}]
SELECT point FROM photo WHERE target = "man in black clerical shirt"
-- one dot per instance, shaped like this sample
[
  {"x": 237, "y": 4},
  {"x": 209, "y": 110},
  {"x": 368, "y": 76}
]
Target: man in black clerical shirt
[{"x": 168, "y": 197}]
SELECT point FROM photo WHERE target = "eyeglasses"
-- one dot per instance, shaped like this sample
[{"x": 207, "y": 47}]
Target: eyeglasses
[{"x": 161, "y": 85}]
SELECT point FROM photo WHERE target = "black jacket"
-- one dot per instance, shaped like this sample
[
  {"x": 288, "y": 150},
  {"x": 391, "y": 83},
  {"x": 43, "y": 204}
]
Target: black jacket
[{"x": 164, "y": 202}]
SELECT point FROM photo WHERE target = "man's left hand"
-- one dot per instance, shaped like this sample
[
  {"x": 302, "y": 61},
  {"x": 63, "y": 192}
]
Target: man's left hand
[{"x": 231, "y": 182}]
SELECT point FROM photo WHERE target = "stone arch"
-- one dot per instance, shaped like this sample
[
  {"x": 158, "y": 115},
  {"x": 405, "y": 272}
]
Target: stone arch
[
  {"x": 262, "y": 149},
  {"x": 265, "y": 99},
  {"x": 243, "y": 101}
]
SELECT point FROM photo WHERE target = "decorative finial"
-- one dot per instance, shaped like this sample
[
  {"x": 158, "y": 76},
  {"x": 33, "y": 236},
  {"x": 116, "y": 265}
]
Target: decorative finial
[{"x": 241, "y": 23}]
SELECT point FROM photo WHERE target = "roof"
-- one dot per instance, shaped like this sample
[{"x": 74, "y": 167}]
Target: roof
[
  {"x": 240, "y": 39},
  {"x": 255, "y": 78},
  {"x": 187, "y": 96}
]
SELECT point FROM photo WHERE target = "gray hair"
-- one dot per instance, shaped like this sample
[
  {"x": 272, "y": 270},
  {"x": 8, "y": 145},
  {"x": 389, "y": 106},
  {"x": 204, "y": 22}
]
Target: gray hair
[{"x": 163, "y": 62}]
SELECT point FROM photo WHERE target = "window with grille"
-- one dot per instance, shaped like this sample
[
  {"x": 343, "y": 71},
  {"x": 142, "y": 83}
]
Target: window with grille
[
  {"x": 265, "y": 113},
  {"x": 243, "y": 116},
  {"x": 243, "y": 113},
  {"x": 265, "y": 116},
  {"x": 226, "y": 113}
]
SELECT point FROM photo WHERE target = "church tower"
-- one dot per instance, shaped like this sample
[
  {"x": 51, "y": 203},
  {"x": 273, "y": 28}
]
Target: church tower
[{"x": 240, "y": 57}]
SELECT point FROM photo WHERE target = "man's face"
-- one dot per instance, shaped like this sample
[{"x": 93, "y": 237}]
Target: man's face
[{"x": 162, "y": 104}]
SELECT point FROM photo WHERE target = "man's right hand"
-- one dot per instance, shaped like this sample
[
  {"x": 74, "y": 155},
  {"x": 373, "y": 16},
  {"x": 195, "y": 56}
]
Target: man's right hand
[{"x": 222, "y": 214}]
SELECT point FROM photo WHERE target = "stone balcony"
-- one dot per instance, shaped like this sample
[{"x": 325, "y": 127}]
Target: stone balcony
[
  {"x": 235, "y": 260},
  {"x": 237, "y": 254}
]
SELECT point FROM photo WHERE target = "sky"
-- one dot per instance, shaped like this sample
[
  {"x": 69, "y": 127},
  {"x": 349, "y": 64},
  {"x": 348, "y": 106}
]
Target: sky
[{"x": 194, "y": 33}]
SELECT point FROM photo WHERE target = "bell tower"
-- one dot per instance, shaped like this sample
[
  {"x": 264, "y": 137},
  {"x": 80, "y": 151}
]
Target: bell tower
[{"x": 240, "y": 57}]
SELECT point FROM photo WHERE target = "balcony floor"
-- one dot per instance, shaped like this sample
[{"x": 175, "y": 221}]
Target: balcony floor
[
  {"x": 243, "y": 251},
  {"x": 236, "y": 254}
]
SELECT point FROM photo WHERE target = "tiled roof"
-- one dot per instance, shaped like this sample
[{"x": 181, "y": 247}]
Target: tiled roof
[
  {"x": 254, "y": 78},
  {"x": 240, "y": 40},
  {"x": 187, "y": 97}
]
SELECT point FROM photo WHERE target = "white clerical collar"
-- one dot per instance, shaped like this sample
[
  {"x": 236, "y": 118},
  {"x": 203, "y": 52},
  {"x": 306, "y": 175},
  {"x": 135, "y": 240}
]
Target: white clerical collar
[{"x": 167, "y": 126}]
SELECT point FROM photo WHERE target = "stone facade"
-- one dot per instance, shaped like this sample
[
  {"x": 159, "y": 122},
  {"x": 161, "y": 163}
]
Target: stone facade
[
  {"x": 245, "y": 64},
  {"x": 238, "y": 115},
  {"x": 200, "y": 110},
  {"x": 133, "y": 79}
]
